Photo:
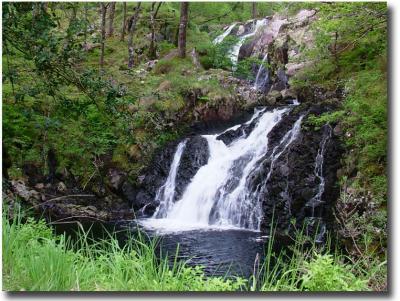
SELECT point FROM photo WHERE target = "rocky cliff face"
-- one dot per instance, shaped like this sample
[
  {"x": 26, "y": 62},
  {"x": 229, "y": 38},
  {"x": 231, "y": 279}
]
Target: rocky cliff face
[
  {"x": 194, "y": 156},
  {"x": 289, "y": 188},
  {"x": 293, "y": 184},
  {"x": 280, "y": 43}
]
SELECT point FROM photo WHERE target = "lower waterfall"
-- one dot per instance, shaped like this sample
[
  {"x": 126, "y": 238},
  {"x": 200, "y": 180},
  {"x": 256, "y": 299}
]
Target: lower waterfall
[{"x": 221, "y": 194}]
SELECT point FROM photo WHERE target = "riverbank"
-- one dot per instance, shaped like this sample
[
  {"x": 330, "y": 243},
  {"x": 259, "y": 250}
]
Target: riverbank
[{"x": 34, "y": 259}]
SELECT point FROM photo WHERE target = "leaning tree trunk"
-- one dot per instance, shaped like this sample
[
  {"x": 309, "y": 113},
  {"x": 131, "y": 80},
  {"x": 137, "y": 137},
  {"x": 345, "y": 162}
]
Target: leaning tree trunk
[
  {"x": 131, "y": 29},
  {"x": 103, "y": 32},
  {"x": 182, "y": 29},
  {"x": 111, "y": 15},
  {"x": 123, "y": 23},
  {"x": 153, "y": 15}
]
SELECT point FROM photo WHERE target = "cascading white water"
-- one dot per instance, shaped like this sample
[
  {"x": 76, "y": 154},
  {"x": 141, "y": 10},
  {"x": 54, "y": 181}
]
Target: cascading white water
[
  {"x": 318, "y": 171},
  {"x": 222, "y": 36},
  {"x": 234, "y": 53},
  {"x": 242, "y": 207},
  {"x": 261, "y": 80},
  {"x": 165, "y": 194},
  {"x": 316, "y": 225},
  {"x": 220, "y": 195}
]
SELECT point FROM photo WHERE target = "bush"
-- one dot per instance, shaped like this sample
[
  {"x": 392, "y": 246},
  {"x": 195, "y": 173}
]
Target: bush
[
  {"x": 216, "y": 56},
  {"x": 324, "y": 274}
]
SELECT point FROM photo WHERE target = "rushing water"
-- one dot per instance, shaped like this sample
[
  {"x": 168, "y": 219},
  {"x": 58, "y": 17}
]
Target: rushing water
[
  {"x": 262, "y": 75},
  {"x": 216, "y": 221},
  {"x": 315, "y": 220},
  {"x": 165, "y": 194},
  {"x": 234, "y": 53},
  {"x": 221, "y": 194},
  {"x": 222, "y": 36},
  {"x": 210, "y": 192}
]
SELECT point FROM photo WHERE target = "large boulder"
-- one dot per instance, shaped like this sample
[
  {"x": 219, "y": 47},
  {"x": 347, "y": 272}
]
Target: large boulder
[{"x": 195, "y": 155}]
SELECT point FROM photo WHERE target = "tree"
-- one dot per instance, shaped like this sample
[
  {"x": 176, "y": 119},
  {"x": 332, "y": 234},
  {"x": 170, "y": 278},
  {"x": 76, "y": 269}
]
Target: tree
[
  {"x": 254, "y": 10},
  {"x": 123, "y": 22},
  {"x": 103, "y": 12},
  {"x": 153, "y": 15},
  {"x": 85, "y": 11},
  {"x": 111, "y": 15},
  {"x": 182, "y": 29},
  {"x": 131, "y": 29}
]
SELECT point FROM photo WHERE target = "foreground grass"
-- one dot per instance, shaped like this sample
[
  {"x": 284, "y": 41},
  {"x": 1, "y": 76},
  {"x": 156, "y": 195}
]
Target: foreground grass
[{"x": 35, "y": 259}]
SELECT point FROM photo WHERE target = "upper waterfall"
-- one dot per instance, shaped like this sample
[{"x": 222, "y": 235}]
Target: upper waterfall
[
  {"x": 234, "y": 53},
  {"x": 222, "y": 36}
]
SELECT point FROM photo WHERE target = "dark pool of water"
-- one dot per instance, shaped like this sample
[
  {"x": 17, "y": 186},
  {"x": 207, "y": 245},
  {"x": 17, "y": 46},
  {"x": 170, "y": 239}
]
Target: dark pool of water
[
  {"x": 225, "y": 252},
  {"x": 220, "y": 252}
]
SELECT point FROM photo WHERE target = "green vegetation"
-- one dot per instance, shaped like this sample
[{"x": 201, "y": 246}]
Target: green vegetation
[
  {"x": 57, "y": 98},
  {"x": 34, "y": 259},
  {"x": 350, "y": 55}
]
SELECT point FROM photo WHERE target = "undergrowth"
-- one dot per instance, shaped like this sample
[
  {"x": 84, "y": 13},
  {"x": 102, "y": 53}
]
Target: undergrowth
[{"x": 34, "y": 259}]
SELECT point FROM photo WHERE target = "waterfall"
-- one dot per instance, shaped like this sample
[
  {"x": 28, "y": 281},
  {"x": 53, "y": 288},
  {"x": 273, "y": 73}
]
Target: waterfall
[
  {"x": 222, "y": 36},
  {"x": 262, "y": 75},
  {"x": 165, "y": 194},
  {"x": 234, "y": 53},
  {"x": 221, "y": 193},
  {"x": 242, "y": 206},
  {"x": 318, "y": 171},
  {"x": 315, "y": 223}
]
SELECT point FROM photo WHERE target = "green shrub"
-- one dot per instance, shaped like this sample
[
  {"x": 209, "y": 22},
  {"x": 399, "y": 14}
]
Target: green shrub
[
  {"x": 324, "y": 274},
  {"x": 165, "y": 47},
  {"x": 163, "y": 67}
]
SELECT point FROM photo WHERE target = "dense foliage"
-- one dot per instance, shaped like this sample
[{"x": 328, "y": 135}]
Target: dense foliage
[
  {"x": 34, "y": 259},
  {"x": 57, "y": 98},
  {"x": 350, "y": 56}
]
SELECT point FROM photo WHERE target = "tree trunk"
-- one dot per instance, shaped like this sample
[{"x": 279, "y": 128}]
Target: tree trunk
[
  {"x": 85, "y": 7},
  {"x": 7, "y": 162},
  {"x": 254, "y": 10},
  {"x": 111, "y": 15},
  {"x": 335, "y": 56},
  {"x": 131, "y": 29},
  {"x": 182, "y": 29},
  {"x": 123, "y": 23},
  {"x": 103, "y": 31},
  {"x": 73, "y": 14},
  {"x": 153, "y": 15}
]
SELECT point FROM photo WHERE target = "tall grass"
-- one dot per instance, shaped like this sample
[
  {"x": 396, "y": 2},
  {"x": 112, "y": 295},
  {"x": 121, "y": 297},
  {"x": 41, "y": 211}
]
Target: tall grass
[{"x": 35, "y": 259}]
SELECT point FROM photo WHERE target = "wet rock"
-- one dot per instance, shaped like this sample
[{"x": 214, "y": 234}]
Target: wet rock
[
  {"x": 240, "y": 30},
  {"x": 293, "y": 183},
  {"x": 284, "y": 169},
  {"x": 288, "y": 94},
  {"x": 337, "y": 130},
  {"x": 23, "y": 191},
  {"x": 246, "y": 50},
  {"x": 273, "y": 97},
  {"x": 115, "y": 179},
  {"x": 194, "y": 156}
]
